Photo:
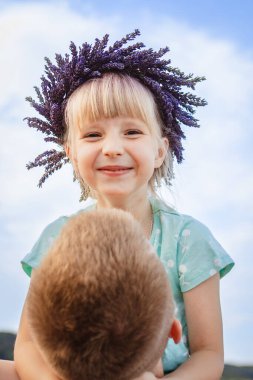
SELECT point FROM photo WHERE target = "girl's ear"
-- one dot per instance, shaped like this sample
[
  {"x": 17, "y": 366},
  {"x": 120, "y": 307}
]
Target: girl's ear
[
  {"x": 161, "y": 152},
  {"x": 67, "y": 150},
  {"x": 176, "y": 331},
  {"x": 70, "y": 155}
]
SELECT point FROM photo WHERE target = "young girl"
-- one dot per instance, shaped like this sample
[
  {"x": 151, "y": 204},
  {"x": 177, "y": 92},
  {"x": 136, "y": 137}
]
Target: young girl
[{"x": 117, "y": 114}]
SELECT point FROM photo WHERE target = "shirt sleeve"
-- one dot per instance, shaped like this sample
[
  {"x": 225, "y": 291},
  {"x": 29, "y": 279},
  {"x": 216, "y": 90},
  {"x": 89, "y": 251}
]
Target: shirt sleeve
[
  {"x": 200, "y": 256},
  {"x": 41, "y": 247}
]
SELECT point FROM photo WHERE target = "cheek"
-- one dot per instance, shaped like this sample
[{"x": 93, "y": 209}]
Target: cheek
[
  {"x": 147, "y": 162},
  {"x": 147, "y": 154},
  {"x": 85, "y": 160}
]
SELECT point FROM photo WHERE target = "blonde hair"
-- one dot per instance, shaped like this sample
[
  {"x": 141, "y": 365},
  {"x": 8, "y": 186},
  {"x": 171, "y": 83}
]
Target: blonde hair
[
  {"x": 100, "y": 305},
  {"x": 117, "y": 95}
]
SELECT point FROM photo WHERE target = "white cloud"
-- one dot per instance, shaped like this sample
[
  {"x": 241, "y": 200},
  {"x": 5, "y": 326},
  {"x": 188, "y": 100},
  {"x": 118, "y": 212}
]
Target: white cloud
[
  {"x": 33, "y": 30},
  {"x": 215, "y": 177}
]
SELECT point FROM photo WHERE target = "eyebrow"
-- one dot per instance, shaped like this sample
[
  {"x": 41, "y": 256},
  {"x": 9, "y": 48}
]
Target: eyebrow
[{"x": 133, "y": 122}]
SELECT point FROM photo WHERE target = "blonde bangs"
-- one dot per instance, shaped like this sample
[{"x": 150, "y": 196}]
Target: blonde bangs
[{"x": 113, "y": 95}]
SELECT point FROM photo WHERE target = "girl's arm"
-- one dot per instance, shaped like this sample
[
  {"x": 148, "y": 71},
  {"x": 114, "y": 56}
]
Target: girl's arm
[
  {"x": 29, "y": 363},
  {"x": 203, "y": 315},
  {"x": 7, "y": 370}
]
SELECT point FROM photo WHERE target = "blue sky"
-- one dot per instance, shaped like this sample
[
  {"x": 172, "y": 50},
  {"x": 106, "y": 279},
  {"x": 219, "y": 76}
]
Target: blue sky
[
  {"x": 227, "y": 19},
  {"x": 214, "y": 183}
]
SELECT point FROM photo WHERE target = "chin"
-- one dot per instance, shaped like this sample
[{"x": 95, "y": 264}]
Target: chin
[{"x": 114, "y": 192}]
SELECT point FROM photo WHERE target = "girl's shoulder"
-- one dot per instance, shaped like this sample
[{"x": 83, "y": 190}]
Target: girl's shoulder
[
  {"x": 55, "y": 227},
  {"x": 174, "y": 219},
  {"x": 187, "y": 247},
  {"x": 45, "y": 240}
]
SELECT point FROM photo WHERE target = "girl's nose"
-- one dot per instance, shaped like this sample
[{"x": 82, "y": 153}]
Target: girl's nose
[{"x": 112, "y": 147}]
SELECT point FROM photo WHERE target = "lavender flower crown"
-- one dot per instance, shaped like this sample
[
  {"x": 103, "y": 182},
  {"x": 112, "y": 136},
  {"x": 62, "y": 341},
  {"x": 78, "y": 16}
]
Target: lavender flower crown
[{"x": 62, "y": 79}]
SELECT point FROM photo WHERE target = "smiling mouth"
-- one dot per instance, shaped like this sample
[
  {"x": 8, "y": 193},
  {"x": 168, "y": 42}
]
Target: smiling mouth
[{"x": 114, "y": 168}]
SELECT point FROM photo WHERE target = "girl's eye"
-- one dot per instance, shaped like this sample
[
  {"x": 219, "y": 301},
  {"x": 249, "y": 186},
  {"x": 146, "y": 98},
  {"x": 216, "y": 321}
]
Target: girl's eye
[
  {"x": 92, "y": 135},
  {"x": 133, "y": 132}
]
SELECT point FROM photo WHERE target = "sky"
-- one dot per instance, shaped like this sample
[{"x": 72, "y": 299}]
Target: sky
[{"x": 214, "y": 183}]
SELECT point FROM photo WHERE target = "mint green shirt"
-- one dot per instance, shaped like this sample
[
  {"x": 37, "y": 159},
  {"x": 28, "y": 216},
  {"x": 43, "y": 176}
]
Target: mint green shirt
[{"x": 189, "y": 252}]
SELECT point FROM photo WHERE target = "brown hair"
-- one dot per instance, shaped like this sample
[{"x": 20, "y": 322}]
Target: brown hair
[{"x": 99, "y": 305}]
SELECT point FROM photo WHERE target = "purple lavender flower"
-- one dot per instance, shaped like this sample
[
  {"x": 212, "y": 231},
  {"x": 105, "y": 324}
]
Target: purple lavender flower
[{"x": 63, "y": 78}]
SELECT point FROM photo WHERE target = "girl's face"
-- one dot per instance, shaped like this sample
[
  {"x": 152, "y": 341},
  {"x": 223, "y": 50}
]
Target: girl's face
[{"x": 117, "y": 156}]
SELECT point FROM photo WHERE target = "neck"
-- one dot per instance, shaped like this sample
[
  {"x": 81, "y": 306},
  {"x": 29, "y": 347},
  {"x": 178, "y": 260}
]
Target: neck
[{"x": 138, "y": 206}]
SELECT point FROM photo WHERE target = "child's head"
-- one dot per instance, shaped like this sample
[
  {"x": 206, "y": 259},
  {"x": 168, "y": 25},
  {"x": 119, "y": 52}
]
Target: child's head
[
  {"x": 116, "y": 95},
  {"x": 100, "y": 306},
  {"x": 96, "y": 81}
]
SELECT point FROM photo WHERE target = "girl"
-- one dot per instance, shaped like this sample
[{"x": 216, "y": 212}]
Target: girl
[{"x": 117, "y": 113}]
